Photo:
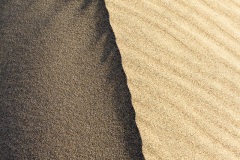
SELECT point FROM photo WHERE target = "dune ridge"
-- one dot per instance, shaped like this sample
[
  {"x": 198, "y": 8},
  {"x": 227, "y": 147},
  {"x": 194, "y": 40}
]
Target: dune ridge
[{"x": 182, "y": 63}]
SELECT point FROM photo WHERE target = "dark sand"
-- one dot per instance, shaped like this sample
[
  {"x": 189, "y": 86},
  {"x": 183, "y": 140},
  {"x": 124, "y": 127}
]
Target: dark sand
[{"x": 63, "y": 91}]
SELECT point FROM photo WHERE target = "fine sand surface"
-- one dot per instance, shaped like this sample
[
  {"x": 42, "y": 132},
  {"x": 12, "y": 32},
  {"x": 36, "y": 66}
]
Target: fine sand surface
[
  {"x": 182, "y": 60},
  {"x": 63, "y": 91}
]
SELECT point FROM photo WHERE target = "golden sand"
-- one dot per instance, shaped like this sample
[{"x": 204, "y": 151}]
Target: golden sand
[{"x": 182, "y": 61}]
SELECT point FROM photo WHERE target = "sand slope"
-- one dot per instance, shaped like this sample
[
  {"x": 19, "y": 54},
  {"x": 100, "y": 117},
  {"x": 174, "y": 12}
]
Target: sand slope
[
  {"x": 182, "y": 60},
  {"x": 63, "y": 91}
]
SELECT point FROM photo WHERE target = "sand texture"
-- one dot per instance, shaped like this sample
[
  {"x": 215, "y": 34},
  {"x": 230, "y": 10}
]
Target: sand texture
[
  {"x": 63, "y": 91},
  {"x": 182, "y": 61}
]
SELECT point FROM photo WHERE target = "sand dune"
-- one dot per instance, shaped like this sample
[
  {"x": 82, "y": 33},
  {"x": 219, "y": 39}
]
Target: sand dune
[
  {"x": 63, "y": 91},
  {"x": 182, "y": 62}
]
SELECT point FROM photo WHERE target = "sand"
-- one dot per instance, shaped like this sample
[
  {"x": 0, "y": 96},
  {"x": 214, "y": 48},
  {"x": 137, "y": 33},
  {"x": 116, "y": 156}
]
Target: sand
[
  {"x": 63, "y": 91},
  {"x": 182, "y": 63}
]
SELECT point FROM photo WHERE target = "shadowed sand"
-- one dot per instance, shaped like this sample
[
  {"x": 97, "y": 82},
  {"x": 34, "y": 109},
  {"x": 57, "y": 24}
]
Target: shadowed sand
[
  {"x": 182, "y": 61},
  {"x": 63, "y": 91}
]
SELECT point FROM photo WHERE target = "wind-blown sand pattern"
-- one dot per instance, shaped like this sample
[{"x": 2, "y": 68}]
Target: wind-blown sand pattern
[{"x": 182, "y": 60}]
